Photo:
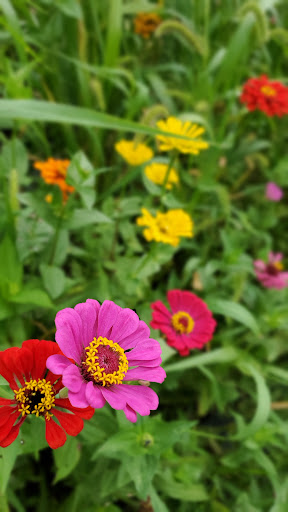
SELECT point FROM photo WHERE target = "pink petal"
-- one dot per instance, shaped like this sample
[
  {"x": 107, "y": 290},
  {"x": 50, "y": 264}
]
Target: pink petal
[
  {"x": 69, "y": 333},
  {"x": 140, "y": 362},
  {"x": 149, "y": 349},
  {"x": 88, "y": 312},
  {"x": 72, "y": 378},
  {"x": 273, "y": 192},
  {"x": 79, "y": 399},
  {"x": 113, "y": 396},
  {"x": 142, "y": 333},
  {"x": 140, "y": 398},
  {"x": 94, "y": 396},
  {"x": 130, "y": 414},
  {"x": 108, "y": 314},
  {"x": 150, "y": 374},
  {"x": 57, "y": 364}
]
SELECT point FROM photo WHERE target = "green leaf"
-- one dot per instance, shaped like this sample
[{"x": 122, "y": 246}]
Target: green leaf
[
  {"x": 8, "y": 457},
  {"x": 45, "y": 111},
  {"x": 14, "y": 156},
  {"x": 53, "y": 279},
  {"x": 141, "y": 471},
  {"x": 66, "y": 458},
  {"x": 218, "y": 356},
  {"x": 179, "y": 491},
  {"x": 33, "y": 296},
  {"x": 70, "y": 8},
  {"x": 236, "y": 311},
  {"x": 82, "y": 218},
  {"x": 263, "y": 408},
  {"x": 10, "y": 268}
]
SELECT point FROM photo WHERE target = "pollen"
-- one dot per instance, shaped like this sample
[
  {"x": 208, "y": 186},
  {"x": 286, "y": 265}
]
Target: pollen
[
  {"x": 268, "y": 90},
  {"x": 36, "y": 397},
  {"x": 183, "y": 322},
  {"x": 278, "y": 265},
  {"x": 104, "y": 362}
]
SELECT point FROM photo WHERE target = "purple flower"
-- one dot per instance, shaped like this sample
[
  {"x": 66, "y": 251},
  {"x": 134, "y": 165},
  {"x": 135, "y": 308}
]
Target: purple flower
[
  {"x": 273, "y": 192},
  {"x": 105, "y": 346},
  {"x": 270, "y": 274}
]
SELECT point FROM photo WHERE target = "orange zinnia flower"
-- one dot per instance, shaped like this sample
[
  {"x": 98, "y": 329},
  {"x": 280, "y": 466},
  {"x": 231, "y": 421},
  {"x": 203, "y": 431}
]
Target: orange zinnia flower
[
  {"x": 146, "y": 23},
  {"x": 54, "y": 172}
]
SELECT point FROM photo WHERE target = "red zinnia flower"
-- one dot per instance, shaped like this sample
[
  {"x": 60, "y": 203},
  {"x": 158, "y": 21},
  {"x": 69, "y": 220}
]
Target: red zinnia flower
[
  {"x": 189, "y": 326},
  {"x": 36, "y": 392},
  {"x": 269, "y": 96}
]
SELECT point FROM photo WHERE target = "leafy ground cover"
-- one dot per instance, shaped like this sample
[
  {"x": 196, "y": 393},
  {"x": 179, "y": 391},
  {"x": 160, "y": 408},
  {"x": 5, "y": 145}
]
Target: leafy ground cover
[{"x": 144, "y": 152}]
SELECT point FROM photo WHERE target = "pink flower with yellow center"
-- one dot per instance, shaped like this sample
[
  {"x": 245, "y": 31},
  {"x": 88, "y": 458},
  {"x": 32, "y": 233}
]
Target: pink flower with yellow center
[
  {"x": 188, "y": 325},
  {"x": 271, "y": 274},
  {"x": 104, "y": 347}
]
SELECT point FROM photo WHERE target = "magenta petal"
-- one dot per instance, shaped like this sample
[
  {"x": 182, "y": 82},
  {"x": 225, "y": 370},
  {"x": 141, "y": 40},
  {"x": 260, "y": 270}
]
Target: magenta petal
[
  {"x": 149, "y": 349},
  {"x": 142, "y": 333},
  {"x": 150, "y": 374},
  {"x": 130, "y": 414},
  {"x": 57, "y": 364},
  {"x": 140, "y": 398},
  {"x": 88, "y": 313},
  {"x": 139, "y": 362},
  {"x": 72, "y": 378},
  {"x": 69, "y": 333},
  {"x": 124, "y": 325},
  {"x": 94, "y": 396},
  {"x": 273, "y": 192},
  {"x": 113, "y": 396},
  {"x": 79, "y": 399},
  {"x": 108, "y": 314}
]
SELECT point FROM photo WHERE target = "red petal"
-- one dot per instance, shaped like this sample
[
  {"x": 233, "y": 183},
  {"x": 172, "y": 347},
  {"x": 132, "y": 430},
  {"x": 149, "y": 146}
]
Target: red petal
[
  {"x": 5, "y": 413},
  {"x": 70, "y": 422},
  {"x": 24, "y": 362},
  {"x": 7, "y": 366},
  {"x": 12, "y": 435},
  {"x": 85, "y": 413},
  {"x": 5, "y": 429},
  {"x": 40, "y": 350},
  {"x": 55, "y": 435},
  {"x": 6, "y": 401}
]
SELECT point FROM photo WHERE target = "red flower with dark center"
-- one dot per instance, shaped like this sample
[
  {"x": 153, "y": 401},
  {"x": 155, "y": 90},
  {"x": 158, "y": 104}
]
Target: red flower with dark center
[
  {"x": 269, "y": 96},
  {"x": 36, "y": 391}
]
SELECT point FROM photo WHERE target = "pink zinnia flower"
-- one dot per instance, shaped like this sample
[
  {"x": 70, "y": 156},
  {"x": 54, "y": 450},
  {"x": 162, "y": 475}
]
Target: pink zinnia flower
[
  {"x": 273, "y": 192},
  {"x": 190, "y": 324},
  {"x": 104, "y": 346},
  {"x": 270, "y": 274}
]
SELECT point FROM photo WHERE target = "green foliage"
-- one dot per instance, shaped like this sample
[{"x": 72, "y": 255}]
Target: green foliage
[{"x": 74, "y": 79}]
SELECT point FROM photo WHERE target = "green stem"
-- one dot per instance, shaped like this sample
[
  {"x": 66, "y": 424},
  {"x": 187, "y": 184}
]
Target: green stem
[
  {"x": 56, "y": 236},
  {"x": 172, "y": 160}
]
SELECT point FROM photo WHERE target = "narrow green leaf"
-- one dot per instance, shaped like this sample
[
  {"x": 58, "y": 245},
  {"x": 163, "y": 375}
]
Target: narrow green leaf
[
  {"x": 53, "y": 279},
  {"x": 218, "y": 356},
  {"x": 236, "y": 311}
]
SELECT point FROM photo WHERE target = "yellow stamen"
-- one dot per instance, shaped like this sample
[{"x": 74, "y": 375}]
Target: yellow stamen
[
  {"x": 91, "y": 367},
  {"x": 268, "y": 90},
  {"x": 278, "y": 265},
  {"x": 36, "y": 397},
  {"x": 183, "y": 322}
]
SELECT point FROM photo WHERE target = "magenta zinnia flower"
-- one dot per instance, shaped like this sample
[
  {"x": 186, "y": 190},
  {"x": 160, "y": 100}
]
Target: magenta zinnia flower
[
  {"x": 273, "y": 192},
  {"x": 271, "y": 274},
  {"x": 190, "y": 324},
  {"x": 104, "y": 346}
]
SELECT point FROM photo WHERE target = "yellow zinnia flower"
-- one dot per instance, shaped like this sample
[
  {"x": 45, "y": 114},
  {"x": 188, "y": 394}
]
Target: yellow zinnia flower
[
  {"x": 166, "y": 227},
  {"x": 177, "y": 127},
  {"x": 157, "y": 173},
  {"x": 54, "y": 171},
  {"x": 146, "y": 23},
  {"x": 134, "y": 153}
]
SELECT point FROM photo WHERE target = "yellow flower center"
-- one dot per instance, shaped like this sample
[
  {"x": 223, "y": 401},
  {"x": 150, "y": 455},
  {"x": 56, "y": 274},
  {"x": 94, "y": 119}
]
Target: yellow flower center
[
  {"x": 278, "y": 265},
  {"x": 183, "y": 322},
  {"x": 36, "y": 397},
  {"x": 267, "y": 90},
  {"x": 104, "y": 362}
]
